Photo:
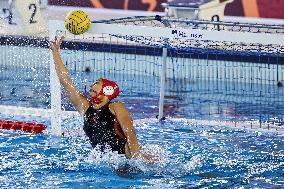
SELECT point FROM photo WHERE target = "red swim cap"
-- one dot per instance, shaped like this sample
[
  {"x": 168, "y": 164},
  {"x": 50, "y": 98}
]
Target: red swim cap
[{"x": 109, "y": 88}]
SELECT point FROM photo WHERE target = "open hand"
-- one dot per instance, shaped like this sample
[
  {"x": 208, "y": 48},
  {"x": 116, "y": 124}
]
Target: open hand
[
  {"x": 149, "y": 158},
  {"x": 55, "y": 44}
]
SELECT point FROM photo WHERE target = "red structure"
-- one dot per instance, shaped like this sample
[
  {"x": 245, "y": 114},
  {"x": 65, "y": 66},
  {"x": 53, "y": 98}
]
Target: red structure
[
  {"x": 247, "y": 8},
  {"x": 24, "y": 126},
  {"x": 256, "y": 8}
]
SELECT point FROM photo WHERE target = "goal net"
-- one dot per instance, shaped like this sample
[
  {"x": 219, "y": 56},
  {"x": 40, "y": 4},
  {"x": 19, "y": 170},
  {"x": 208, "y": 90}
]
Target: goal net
[{"x": 215, "y": 73}]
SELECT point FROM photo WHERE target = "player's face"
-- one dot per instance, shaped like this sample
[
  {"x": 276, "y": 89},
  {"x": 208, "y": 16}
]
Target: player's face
[
  {"x": 95, "y": 88},
  {"x": 95, "y": 93}
]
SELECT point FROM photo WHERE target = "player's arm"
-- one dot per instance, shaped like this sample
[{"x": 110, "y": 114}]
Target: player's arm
[
  {"x": 124, "y": 118},
  {"x": 77, "y": 99}
]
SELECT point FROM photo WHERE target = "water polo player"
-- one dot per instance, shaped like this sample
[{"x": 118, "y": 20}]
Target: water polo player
[{"x": 108, "y": 124}]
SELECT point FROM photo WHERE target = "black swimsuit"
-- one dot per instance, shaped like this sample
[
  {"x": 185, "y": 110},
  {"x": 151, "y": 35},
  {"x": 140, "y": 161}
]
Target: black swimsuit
[{"x": 103, "y": 129}]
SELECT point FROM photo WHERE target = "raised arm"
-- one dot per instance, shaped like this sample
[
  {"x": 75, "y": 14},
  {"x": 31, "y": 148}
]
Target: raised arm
[{"x": 77, "y": 99}]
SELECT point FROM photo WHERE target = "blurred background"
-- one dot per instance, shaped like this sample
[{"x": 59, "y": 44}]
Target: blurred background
[
  {"x": 247, "y": 8},
  {"x": 245, "y": 11}
]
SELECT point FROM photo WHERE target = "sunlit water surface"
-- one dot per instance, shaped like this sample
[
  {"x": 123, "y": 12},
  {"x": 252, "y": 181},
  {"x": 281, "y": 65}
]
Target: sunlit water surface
[{"x": 188, "y": 156}]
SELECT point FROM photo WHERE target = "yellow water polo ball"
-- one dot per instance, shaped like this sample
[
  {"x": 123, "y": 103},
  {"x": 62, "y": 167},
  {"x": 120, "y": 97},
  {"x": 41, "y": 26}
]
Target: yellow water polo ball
[{"x": 77, "y": 22}]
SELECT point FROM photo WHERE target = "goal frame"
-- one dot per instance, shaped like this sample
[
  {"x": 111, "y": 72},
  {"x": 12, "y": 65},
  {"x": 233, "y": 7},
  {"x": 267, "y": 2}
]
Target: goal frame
[{"x": 56, "y": 26}]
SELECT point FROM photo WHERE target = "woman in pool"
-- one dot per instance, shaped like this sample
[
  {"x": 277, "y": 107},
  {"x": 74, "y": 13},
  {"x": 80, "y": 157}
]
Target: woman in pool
[{"x": 107, "y": 124}]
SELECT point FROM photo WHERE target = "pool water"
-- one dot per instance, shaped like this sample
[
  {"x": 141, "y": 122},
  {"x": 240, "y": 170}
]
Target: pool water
[{"x": 188, "y": 156}]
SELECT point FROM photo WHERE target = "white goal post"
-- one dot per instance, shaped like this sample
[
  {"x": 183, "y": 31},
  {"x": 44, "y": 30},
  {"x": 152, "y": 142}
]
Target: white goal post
[
  {"x": 56, "y": 26},
  {"x": 178, "y": 34}
]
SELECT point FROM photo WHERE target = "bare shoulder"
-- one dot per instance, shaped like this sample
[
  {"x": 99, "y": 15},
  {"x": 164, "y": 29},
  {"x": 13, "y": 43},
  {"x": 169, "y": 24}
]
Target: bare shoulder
[
  {"x": 122, "y": 114},
  {"x": 82, "y": 104},
  {"x": 117, "y": 106}
]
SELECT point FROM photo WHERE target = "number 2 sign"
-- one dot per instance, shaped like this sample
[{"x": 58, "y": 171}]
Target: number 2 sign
[{"x": 29, "y": 13}]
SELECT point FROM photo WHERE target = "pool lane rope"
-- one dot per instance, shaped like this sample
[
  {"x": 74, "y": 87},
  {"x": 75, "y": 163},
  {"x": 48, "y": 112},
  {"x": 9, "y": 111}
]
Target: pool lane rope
[{"x": 23, "y": 126}]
